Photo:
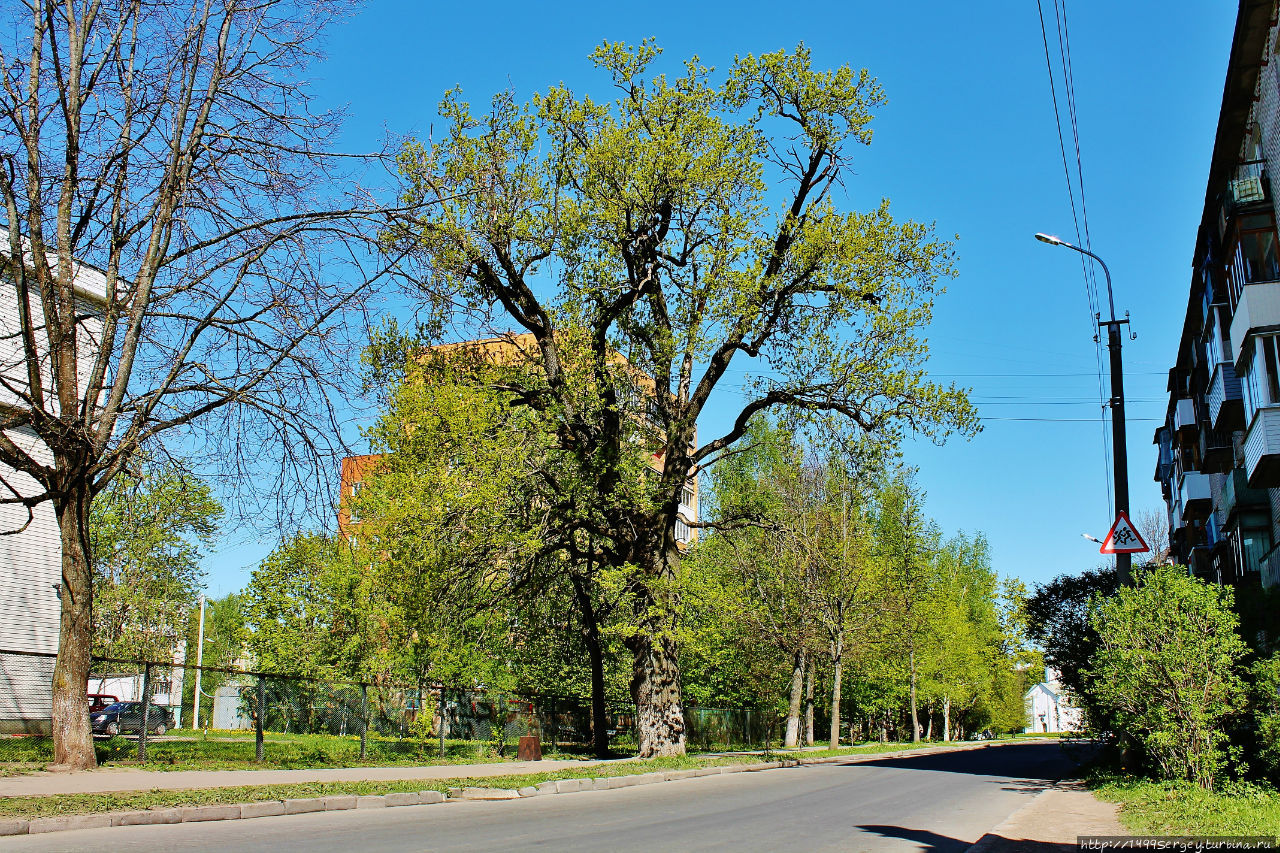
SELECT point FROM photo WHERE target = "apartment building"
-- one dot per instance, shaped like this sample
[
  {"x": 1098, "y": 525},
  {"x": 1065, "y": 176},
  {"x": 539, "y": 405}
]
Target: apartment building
[
  {"x": 31, "y": 550},
  {"x": 1219, "y": 448},
  {"x": 356, "y": 469}
]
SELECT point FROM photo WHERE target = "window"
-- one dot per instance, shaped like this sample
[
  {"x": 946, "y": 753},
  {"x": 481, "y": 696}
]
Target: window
[
  {"x": 352, "y": 509},
  {"x": 683, "y": 532},
  {"x": 1261, "y": 380},
  {"x": 686, "y": 497},
  {"x": 1254, "y": 257}
]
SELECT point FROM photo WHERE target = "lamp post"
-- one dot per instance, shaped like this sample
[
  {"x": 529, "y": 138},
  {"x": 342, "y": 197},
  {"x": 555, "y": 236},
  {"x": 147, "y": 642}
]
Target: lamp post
[{"x": 1119, "y": 450}]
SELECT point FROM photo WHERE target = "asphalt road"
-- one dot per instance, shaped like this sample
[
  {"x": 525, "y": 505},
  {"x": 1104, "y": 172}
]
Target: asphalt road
[{"x": 942, "y": 802}]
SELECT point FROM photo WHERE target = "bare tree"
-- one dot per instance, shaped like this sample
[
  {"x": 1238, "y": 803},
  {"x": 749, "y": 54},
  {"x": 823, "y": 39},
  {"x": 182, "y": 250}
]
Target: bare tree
[
  {"x": 166, "y": 152},
  {"x": 1153, "y": 524}
]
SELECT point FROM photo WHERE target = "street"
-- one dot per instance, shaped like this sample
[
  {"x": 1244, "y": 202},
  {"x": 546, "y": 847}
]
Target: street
[{"x": 942, "y": 802}]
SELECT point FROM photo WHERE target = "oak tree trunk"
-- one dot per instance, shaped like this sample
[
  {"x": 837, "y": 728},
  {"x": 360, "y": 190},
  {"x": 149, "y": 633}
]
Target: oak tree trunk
[
  {"x": 792, "y": 738},
  {"x": 655, "y": 687},
  {"x": 72, "y": 737},
  {"x": 808, "y": 705},
  {"x": 837, "y": 664}
]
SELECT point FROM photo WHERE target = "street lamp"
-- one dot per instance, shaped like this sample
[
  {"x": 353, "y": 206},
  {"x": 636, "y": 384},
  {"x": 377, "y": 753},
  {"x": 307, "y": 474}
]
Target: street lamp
[{"x": 1119, "y": 450}]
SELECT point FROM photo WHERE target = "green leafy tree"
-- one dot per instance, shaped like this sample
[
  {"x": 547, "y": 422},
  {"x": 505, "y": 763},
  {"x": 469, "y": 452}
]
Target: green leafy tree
[
  {"x": 148, "y": 534},
  {"x": 1166, "y": 663},
  {"x": 690, "y": 225}
]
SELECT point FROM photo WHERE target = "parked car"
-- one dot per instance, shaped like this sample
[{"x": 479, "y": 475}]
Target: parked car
[
  {"x": 127, "y": 717},
  {"x": 98, "y": 701}
]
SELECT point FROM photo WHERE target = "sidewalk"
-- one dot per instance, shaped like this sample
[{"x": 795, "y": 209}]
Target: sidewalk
[
  {"x": 1051, "y": 822},
  {"x": 114, "y": 780}
]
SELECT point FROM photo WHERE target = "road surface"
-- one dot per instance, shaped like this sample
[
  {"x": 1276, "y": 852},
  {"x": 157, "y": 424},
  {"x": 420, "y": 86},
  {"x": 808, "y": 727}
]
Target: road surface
[{"x": 942, "y": 802}]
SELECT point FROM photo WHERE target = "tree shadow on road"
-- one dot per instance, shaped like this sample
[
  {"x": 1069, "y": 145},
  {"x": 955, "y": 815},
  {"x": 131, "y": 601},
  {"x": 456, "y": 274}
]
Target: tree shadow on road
[
  {"x": 1045, "y": 765},
  {"x": 932, "y": 842}
]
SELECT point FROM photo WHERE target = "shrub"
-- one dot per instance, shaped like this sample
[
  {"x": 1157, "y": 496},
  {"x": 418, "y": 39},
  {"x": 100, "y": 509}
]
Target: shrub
[{"x": 1166, "y": 662}]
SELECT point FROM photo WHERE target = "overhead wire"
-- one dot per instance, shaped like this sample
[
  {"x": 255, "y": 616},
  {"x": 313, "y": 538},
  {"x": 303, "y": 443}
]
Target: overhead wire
[{"x": 1091, "y": 289}]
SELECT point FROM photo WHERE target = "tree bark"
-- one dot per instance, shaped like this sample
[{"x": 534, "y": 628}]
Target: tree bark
[
  {"x": 792, "y": 738},
  {"x": 928, "y": 735},
  {"x": 655, "y": 687},
  {"x": 808, "y": 705},
  {"x": 72, "y": 736},
  {"x": 837, "y": 664},
  {"x": 595, "y": 652},
  {"x": 946, "y": 719},
  {"x": 915, "y": 717}
]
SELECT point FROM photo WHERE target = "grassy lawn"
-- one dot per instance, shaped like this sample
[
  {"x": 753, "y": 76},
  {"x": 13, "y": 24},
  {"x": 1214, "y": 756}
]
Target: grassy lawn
[
  {"x": 1156, "y": 808},
  {"x": 73, "y": 804}
]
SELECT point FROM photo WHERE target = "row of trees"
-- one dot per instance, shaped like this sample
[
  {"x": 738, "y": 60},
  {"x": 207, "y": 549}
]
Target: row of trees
[{"x": 691, "y": 224}]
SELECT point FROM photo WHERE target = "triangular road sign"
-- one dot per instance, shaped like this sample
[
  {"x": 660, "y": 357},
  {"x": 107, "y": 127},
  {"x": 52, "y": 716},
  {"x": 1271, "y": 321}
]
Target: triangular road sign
[{"x": 1123, "y": 538}]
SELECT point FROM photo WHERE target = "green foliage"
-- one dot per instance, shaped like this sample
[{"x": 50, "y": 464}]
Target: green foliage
[
  {"x": 1166, "y": 664},
  {"x": 148, "y": 534},
  {"x": 1264, "y": 708}
]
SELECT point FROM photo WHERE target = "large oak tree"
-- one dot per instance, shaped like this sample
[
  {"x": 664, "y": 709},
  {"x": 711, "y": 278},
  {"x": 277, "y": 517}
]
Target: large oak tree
[{"x": 692, "y": 224}]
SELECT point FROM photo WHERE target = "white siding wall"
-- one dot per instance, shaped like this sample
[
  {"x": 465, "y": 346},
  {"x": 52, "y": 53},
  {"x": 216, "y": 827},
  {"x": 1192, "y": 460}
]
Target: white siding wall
[{"x": 30, "y": 560}]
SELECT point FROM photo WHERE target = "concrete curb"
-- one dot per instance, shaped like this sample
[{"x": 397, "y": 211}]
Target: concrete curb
[{"x": 342, "y": 802}]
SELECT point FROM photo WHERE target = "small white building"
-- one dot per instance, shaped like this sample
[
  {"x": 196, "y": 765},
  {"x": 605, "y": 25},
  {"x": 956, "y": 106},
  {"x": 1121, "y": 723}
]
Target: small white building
[{"x": 1048, "y": 707}]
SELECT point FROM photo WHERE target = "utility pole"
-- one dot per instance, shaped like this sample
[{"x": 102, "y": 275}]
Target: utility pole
[
  {"x": 1119, "y": 448},
  {"x": 195, "y": 711}
]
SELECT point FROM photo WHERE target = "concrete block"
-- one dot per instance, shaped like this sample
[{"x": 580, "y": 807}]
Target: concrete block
[
  {"x": 547, "y": 787},
  {"x": 529, "y": 791},
  {"x": 340, "y": 802},
  {"x": 58, "y": 824},
  {"x": 192, "y": 814},
  {"x": 488, "y": 794},
  {"x": 764, "y": 765},
  {"x": 407, "y": 799},
  {"x": 598, "y": 785},
  {"x": 165, "y": 814},
  {"x": 708, "y": 771},
  {"x": 304, "y": 805},
  {"x": 637, "y": 779},
  {"x": 371, "y": 802},
  {"x": 569, "y": 786},
  {"x": 269, "y": 808},
  {"x": 675, "y": 775},
  {"x": 427, "y": 798},
  {"x": 13, "y": 827}
]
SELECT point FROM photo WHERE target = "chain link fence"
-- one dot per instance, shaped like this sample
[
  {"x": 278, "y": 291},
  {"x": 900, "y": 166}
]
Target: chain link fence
[{"x": 363, "y": 720}]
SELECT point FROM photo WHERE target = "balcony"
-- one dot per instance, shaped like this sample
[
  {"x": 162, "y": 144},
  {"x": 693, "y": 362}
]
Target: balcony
[
  {"x": 1226, "y": 408},
  {"x": 1184, "y": 415},
  {"x": 1262, "y": 449},
  {"x": 1248, "y": 187},
  {"x": 1217, "y": 451},
  {"x": 1258, "y": 308},
  {"x": 1238, "y": 497},
  {"x": 1270, "y": 566},
  {"x": 1195, "y": 496}
]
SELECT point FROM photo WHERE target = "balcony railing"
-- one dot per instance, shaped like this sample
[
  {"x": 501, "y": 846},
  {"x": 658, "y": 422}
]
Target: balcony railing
[
  {"x": 1195, "y": 495},
  {"x": 1262, "y": 449},
  {"x": 1249, "y": 184},
  {"x": 1237, "y": 496},
  {"x": 1226, "y": 410}
]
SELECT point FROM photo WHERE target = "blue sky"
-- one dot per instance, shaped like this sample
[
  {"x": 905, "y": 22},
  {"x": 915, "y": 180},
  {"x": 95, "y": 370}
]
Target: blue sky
[{"x": 967, "y": 140}]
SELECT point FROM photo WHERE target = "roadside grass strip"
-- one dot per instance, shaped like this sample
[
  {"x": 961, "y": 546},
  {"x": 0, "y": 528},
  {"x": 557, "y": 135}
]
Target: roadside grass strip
[{"x": 1159, "y": 808}]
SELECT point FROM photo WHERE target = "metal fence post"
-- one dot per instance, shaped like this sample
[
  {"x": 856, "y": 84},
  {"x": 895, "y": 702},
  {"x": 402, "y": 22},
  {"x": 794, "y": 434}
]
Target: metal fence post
[
  {"x": 442, "y": 718},
  {"x": 257, "y": 718},
  {"x": 364, "y": 719},
  {"x": 146, "y": 711}
]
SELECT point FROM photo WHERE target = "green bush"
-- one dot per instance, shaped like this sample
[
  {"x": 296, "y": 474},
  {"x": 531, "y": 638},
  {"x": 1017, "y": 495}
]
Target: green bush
[{"x": 1166, "y": 664}]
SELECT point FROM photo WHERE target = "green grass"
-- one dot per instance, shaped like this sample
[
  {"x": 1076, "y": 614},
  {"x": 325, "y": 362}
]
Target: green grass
[
  {"x": 74, "y": 804},
  {"x": 1161, "y": 808}
]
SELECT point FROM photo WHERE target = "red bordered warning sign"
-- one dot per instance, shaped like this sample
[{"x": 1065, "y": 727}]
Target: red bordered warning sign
[{"x": 1123, "y": 538}]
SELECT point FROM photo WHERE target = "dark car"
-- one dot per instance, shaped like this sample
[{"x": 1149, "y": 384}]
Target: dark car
[{"x": 127, "y": 717}]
